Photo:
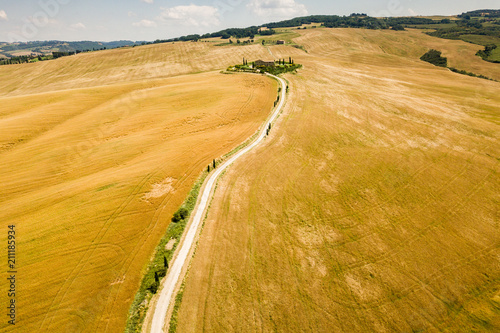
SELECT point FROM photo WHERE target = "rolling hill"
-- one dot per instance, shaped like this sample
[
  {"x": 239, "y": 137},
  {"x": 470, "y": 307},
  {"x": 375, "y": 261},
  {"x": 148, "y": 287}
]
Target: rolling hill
[
  {"x": 372, "y": 208},
  {"x": 97, "y": 152}
]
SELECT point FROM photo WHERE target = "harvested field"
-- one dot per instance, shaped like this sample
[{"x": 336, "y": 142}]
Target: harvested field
[
  {"x": 373, "y": 207},
  {"x": 94, "y": 161},
  {"x": 119, "y": 65}
]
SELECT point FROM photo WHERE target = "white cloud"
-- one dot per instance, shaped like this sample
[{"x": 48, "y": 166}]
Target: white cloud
[
  {"x": 78, "y": 25},
  {"x": 144, "y": 23},
  {"x": 148, "y": 1},
  {"x": 3, "y": 15},
  {"x": 192, "y": 15},
  {"x": 412, "y": 12},
  {"x": 277, "y": 8},
  {"x": 131, "y": 14}
]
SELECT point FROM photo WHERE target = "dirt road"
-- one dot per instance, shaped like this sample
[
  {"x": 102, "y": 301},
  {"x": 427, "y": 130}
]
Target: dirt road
[{"x": 172, "y": 278}]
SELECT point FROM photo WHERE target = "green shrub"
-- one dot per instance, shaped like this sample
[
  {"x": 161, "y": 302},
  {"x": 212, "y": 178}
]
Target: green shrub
[
  {"x": 459, "y": 71},
  {"x": 398, "y": 27},
  {"x": 180, "y": 214},
  {"x": 434, "y": 57}
]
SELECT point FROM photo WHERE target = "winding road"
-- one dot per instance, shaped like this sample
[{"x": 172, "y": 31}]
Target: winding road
[{"x": 170, "y": 281}]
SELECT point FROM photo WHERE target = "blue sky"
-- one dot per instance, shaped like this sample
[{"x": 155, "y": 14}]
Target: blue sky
[{"x": 106, "y": 20}]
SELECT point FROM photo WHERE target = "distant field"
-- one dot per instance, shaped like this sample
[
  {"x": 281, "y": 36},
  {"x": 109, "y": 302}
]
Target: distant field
[
  {"x": 307, "y": 26},
  {"x": 495, "y": 54},
  {"x": 373, "y": 207},
  {"x": 481, "y": 40},
  {"x": 282, "y": 34},
  {"x": 115, "y": 66},
  {"x": 439, "y": 17},
  {"x": 94, "y": 160}
]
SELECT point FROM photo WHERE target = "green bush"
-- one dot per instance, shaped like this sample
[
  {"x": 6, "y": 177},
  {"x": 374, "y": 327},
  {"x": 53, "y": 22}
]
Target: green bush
[
  {"x": 180, "y": 214},
  {"x": 398, "y": 27},
  {"x": 434, "y": 57}
]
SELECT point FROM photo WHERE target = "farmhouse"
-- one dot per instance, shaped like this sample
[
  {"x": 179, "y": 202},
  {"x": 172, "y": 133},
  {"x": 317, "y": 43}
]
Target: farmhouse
[{"x": 262, "y": 63}]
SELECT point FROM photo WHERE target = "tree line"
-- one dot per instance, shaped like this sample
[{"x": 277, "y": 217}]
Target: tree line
[
  {"x": 354, "y": 20},
  {"x": 481, "y": 12},
  {"x": 249, "y": 32}
]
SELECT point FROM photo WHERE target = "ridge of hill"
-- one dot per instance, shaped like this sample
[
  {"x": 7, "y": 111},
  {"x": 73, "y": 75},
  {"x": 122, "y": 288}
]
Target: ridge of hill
[{"x": 9, "y": 50}]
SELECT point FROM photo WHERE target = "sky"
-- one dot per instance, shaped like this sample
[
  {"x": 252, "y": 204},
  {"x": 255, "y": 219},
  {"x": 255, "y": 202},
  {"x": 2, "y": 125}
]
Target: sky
[{"x": 147, "y": 20}]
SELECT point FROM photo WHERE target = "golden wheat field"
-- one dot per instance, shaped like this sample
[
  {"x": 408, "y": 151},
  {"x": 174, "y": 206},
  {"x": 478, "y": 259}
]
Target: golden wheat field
[
  {"x": 96, "y": 153},
  {"x": 113, "y": 66},
  {"x": 372, "y": 207}
]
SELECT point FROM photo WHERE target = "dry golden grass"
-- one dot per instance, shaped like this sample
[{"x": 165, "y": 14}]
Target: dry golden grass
[
  {"x": 94, "y": 159},
  {"x": 373, "y": 206},
  {"x": 119, "y": 65},
  {"x": 394, "y": 48}
]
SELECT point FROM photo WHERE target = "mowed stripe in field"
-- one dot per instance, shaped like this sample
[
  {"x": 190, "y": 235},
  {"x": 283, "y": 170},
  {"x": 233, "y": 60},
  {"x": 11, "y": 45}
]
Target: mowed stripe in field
[
  {"x": 372, "y": 208},
  {"x": 91, "y": 177}
]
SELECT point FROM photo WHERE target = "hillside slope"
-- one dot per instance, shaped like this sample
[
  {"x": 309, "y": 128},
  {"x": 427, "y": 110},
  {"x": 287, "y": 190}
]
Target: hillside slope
[
  {"x": 126, "y": 64},
  {"x": 372, "y": 208},
  {"x": 97, "y": 151}
]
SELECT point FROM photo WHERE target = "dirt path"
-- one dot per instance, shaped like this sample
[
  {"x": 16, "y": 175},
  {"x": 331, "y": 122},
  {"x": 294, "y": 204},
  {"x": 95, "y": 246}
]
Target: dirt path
[{"x": 173, "y": 275}]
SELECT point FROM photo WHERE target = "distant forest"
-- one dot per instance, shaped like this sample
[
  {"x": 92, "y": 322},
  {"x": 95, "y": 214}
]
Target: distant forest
[
  {"x": 481, "y": 12},
  {"x": 329, "y": 21}
]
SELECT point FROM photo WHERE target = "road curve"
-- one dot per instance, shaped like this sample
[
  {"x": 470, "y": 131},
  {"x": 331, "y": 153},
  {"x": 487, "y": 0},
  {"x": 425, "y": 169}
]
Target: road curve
[{"x": 173, "y": 274}]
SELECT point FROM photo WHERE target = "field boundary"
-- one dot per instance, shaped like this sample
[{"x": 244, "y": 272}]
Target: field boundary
[{"x": 139, "y": 308}]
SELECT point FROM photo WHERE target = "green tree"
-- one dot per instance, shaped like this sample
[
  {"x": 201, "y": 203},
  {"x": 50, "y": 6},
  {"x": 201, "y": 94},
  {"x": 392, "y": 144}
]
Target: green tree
[{"x": 180, "y": 214}]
